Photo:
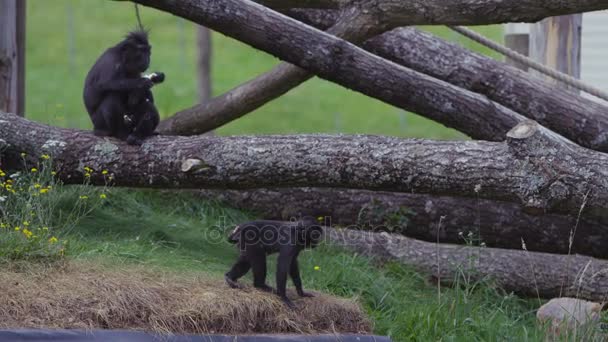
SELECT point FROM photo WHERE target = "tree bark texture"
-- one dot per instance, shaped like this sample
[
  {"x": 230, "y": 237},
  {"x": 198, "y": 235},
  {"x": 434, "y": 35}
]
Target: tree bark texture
[
  {"x": 12, "y": 56},
  {"x": 580, "y": 119},
  {"x": 335, "y": 59},
  {"x": 498, "y": 224},
  {"x": 418, "y": 12},
  {"x": 245, "y": 98},
  {"x": 534, "y": 167},
  {"x": 526, "y": 273}
]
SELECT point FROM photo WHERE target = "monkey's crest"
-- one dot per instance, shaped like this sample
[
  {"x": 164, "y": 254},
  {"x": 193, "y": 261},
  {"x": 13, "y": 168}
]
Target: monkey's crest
[{"x": 139, "y": 36}]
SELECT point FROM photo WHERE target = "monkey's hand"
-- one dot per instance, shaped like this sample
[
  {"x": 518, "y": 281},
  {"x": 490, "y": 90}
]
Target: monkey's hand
[
  {"x": 144, "y": 83},
  {"x": 305, "y": 294},
  {"x": 156, "y": 77}
]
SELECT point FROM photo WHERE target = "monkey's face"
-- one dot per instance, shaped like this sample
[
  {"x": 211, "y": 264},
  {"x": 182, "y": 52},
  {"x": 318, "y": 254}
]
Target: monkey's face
[{"x": 136, "y": 57}]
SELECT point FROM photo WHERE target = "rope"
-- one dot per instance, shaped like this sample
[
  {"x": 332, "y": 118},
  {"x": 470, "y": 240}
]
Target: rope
[
  {"x": 516, "y": 56},
  {"x": 139, "y": 24}
]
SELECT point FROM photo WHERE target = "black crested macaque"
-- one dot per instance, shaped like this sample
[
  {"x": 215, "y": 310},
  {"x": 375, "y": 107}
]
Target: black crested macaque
[
  {"x": 117, "y": 97},
  {"x": 257, "y": 239}
]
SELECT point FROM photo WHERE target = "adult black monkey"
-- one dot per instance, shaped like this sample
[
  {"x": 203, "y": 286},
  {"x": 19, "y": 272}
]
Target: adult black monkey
[
  {"x": 256, "y": 239},
  {"x": 117, "y": 97}
]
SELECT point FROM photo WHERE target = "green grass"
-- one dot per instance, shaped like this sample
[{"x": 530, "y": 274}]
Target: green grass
[
  {"x": 181, "y": 232},
  {"x": 189, "y": 236}
]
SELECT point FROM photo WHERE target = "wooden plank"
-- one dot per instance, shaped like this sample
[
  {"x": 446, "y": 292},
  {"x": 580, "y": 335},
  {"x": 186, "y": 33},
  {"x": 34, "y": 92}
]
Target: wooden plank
[
  {"x": 517, "y": 37},
  {"x": 556, "y": 42}
]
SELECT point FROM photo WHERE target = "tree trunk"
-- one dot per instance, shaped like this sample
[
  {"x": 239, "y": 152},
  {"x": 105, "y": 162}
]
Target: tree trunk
[
  {"x": 577, "y": 118},
  {"x": 498, "y": 224},
  {"x": 351, "y": 25},
  {"x": 535, "y": 167},
  {"x": 344, "y": 63},
  {"x": 398, "y": 12},
  {"x": 525, "y": 273},
  {"x": 582, "y": 120},
  {"x": 12, "y": 56}
]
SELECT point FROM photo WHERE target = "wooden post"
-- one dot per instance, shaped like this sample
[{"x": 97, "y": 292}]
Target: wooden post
[
  {"x": 517, "y": 37},
  {"x": 556, "y": 42},
  {"x": 12, "y": 56},
  {"x": 204, "y": 63}
]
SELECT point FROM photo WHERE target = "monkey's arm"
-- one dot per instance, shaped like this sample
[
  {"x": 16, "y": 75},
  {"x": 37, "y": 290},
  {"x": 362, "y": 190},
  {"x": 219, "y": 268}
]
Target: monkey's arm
[
  {"x": 125, "y": 84},
  {"x": 294, "y": 273}
]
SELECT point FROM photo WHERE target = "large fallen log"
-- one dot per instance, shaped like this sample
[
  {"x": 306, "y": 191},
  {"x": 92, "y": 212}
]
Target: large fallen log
[
  {"x": 580, "y": 119},
  {"x": 522, "y": 272},
  {"x": 426, "y": 217},
  {"x": 534, "y": 167},
  {"x": 337, "y": 60}
]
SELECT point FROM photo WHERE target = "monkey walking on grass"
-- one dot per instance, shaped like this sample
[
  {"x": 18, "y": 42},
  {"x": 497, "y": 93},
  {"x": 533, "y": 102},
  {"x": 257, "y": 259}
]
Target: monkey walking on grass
[{"x": 257, "y": 239}]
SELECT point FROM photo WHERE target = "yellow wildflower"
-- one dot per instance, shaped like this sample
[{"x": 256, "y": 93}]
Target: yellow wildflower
[
  {"x": 2, "y": 225},
  {"x": 2, "y": 174},
  {"x": 103, "y": 196},
  {"x": 34, "y": 169},
  {"x": 83, "y": 197},
  {"x": 23, "y": 154},
  {"x": 45, "y": 156},
  {"x": 44, "y": 190},
  {"x": 104, "y": 172},
  {"x": 37, "y": 186},
  {"x": 87, "y": 175},
  {"x": 53, "y": 239},
  {"x": 53, "y": 173},
  {"x": 17, "y": 228},
  {"x": 88, "y": 169},
  {"x": 316, "y": 268},
  {"x": 26, "y": 223},
  {"x": 28, "y": 234},
  {"x": 9, "y": 181},
  {"x": 45, "y": 228}
]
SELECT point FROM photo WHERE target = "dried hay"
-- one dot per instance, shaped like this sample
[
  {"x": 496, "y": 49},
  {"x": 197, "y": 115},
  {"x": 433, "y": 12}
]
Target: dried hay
[{"x": 87, "y": 296}]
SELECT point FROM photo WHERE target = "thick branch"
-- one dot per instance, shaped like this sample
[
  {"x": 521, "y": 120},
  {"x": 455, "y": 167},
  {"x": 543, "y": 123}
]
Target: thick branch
[
  {"x": 425, "y": 217},
  {"x": 352, "y": 26},
  {"x": 535, "y": 167},
  {"x": 344, "y": 63},
  {"x": 526, "y": 273},
  {"x": 580, "y": 119}
]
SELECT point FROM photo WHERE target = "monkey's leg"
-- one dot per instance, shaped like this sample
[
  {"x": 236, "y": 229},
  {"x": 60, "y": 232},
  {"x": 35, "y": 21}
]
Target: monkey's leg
[
  {"x": 258, "y": 265},
  {"x": 145, "y": 126},
  {"x": 294, "y": 273},
  {"x": 108, "y": 120},
  {"x": 286, "y": 256},
  {"x": 238, "y": 270}
]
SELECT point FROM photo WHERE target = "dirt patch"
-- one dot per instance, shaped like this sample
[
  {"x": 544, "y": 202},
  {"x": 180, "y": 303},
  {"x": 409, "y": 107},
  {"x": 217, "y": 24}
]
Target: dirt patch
[{"x": 86, "y": 297}]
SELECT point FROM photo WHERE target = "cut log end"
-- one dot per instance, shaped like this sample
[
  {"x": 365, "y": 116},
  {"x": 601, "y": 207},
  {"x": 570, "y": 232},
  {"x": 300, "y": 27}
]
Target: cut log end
[
  {"x": 194, "y": 166},
  {"x": 523, "y": 130}
]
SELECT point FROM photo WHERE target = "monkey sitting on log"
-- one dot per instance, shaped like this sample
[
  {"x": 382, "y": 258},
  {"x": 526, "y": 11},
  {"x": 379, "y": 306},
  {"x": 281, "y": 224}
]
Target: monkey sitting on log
[{"x": 257, "y": 239}]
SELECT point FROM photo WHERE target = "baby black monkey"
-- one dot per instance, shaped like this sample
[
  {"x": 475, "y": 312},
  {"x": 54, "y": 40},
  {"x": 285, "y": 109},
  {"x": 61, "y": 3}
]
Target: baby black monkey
[{"x": 257, "y": 239}]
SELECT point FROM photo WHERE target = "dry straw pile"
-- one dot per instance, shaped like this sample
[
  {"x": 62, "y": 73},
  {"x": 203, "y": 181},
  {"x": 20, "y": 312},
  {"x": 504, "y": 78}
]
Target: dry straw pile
[{"x": 85, "y": 296}]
